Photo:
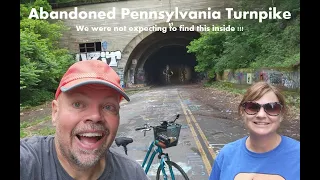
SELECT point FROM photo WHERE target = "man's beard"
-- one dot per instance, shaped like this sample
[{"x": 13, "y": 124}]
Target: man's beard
[{"x": 80, "y": 157}]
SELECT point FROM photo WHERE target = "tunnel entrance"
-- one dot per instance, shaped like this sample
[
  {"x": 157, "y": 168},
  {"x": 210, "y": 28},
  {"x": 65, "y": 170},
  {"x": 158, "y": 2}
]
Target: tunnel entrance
[
  {"x": 170, "y": 65},
  {"x": 162, "y": 59}
]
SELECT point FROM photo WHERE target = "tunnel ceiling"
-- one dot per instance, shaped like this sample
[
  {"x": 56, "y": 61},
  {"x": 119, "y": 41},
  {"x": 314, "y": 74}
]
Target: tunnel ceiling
[{"x": 157, "y": 51}]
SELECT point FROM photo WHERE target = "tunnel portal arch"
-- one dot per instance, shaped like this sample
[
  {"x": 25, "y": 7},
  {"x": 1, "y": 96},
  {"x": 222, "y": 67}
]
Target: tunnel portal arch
[{"x": 150, "y": 52}]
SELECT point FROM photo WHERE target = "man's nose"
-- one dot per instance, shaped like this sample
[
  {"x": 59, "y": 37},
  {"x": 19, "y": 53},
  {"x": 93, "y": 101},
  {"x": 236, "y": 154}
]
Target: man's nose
[{"x": 94, "y": 114}]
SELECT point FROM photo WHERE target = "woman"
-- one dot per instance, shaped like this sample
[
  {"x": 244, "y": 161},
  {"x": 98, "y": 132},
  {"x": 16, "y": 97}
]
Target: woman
[{"x": 264, "y": 154}]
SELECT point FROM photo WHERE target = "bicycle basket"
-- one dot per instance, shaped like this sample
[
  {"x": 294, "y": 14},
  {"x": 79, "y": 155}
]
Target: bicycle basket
[{"x": 170, "y": 133}]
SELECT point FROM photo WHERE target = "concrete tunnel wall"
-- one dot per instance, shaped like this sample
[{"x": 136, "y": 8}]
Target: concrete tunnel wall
[{"x": 123, "y": 46}]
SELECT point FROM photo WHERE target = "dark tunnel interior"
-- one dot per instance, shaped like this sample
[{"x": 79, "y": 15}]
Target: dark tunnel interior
[{"x": 181, "y": 66}]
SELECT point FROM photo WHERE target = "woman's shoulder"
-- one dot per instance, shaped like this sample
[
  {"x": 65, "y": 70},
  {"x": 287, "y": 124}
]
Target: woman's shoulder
[
  {"x": 234, "y": 145},
  {"x": 230, "y": 150},
  {"x": 290, "y": 139},
  {"x": 290, "y": 142}
]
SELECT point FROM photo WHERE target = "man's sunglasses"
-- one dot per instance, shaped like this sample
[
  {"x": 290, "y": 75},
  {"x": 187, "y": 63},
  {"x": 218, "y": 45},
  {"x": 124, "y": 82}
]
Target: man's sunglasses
[{"x": 272, "y": 109}]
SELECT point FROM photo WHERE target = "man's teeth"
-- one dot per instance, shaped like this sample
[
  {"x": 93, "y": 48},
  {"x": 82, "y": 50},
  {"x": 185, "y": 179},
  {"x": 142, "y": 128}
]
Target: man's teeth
[{"x": 90, "y": 134}]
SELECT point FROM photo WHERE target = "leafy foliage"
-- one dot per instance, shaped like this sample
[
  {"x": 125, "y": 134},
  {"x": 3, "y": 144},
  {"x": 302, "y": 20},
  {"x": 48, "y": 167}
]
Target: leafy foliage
[
  {"x": 42, "y": 62},
  {"x": 271, "y": 43},
  {"x": 208, "y": 49}
]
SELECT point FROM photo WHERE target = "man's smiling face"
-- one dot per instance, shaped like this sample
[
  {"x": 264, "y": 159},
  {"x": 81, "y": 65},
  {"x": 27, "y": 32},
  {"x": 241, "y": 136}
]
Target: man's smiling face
[{"x": 86, "y": 120}]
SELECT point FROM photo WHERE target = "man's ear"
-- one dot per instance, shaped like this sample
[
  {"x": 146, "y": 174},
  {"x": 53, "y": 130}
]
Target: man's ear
[{"x": 54, "y": 113}]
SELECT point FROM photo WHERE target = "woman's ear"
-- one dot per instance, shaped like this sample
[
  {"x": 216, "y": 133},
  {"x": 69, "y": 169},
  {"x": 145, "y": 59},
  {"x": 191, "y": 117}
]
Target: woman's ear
[
  {"x": 241, "y": 113},
  {"x": 281, "y": 118}
]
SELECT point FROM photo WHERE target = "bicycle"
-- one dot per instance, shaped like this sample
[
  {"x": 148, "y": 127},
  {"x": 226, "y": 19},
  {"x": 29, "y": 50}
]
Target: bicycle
[{"x": 165, "y": 135}]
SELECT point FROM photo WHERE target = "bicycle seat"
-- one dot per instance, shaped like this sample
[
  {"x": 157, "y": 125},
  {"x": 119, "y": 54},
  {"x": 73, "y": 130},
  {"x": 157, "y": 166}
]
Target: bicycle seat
[{"x": 123, "y": 141}]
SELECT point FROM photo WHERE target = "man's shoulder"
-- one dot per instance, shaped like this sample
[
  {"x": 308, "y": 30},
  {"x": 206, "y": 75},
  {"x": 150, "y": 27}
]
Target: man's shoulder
[
  {"x": 122, "y": 158},
  {"x": 125, "y": 167},
  {"x": 34, "y": 139},
  {"x": 35, "y": 142},
  {"x": 31, "y": 148}
]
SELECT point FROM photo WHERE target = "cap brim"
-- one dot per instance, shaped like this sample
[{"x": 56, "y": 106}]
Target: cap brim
[{"x": 81, "y": 82}]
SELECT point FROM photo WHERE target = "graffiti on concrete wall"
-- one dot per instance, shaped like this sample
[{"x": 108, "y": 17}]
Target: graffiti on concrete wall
[
  {"x": 289, "y": 80},
  {"x": 110, "y": 57},
  {"x": 131, "y": 73},
  {"x": 249, "y": 78},
  {"x": 140, "y": 76},
  {"x": 167, "y": 72},
  {"x": 241, "y": 77},
  {"x": 275, "y": 78},
  {"x": 121, "y": 74},
  {"x": 230, "y": 76},
  {"x": 263, "y": 76}
]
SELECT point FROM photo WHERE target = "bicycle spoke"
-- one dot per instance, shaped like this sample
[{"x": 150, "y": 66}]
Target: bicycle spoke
[{"x": 177, "y": 172}]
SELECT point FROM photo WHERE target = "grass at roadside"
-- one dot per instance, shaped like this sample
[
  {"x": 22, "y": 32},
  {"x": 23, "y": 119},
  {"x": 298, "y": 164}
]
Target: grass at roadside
[
  {"x": 46, "y": 131},
  {"x": 132, "y": 91},
  {"x": 30, "y": 108},
  {"x": 27, "y": 124},
  {"x": 26, "y": 128}
]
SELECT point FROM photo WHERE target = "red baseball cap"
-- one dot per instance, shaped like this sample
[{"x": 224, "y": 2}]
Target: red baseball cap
[{"x": 90, "y": 72}]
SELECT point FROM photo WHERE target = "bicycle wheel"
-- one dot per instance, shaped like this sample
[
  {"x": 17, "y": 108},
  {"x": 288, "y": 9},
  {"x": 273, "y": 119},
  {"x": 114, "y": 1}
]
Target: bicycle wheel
[{"x": 178, "y": 172}]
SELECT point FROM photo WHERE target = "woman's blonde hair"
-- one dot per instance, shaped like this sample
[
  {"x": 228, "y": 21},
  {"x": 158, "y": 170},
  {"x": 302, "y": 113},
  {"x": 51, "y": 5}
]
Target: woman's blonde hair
[{"x": 257, "y": 90}]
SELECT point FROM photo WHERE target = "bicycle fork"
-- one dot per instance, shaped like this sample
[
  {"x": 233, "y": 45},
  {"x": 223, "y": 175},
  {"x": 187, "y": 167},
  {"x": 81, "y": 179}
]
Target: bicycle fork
[
  {"x": 164, "y": 165},
  {"x": 163, "y": 158}
]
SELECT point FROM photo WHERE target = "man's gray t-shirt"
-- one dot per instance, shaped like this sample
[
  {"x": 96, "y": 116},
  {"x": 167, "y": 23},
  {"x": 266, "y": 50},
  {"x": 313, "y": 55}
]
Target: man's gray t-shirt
[{"x": 38, "y": 160}]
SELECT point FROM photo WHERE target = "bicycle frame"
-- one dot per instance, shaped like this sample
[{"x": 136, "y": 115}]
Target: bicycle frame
[{"x": 159, "y": 151}]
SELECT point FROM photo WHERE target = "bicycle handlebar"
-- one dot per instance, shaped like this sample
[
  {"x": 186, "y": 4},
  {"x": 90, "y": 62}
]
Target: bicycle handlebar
[
  {"x": 140, "y": 128},
  {"x": 147, "y": 127}
]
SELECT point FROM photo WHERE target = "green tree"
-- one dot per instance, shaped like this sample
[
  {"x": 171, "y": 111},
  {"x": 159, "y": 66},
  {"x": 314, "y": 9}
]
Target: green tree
[
  {"x": 208, "y": 49},
  {"x": 42, "y": 61},
  {"x": 271, "y": 43}
]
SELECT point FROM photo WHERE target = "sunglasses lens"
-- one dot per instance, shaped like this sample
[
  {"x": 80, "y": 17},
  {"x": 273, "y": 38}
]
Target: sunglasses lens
[
  {"x": 251, "y": 108},
  {"x": 272, "y": 109}
]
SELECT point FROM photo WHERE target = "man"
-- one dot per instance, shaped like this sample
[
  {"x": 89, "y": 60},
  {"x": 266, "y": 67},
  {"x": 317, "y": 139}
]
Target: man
[{"x": 85, "y": 112}]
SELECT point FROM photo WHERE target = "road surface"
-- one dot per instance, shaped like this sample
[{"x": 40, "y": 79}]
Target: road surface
[{"x": 201, "y": 137}]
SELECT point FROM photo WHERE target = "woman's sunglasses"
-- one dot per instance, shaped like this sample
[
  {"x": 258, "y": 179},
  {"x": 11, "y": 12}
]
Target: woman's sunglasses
[{"x": 272, "y": 109}]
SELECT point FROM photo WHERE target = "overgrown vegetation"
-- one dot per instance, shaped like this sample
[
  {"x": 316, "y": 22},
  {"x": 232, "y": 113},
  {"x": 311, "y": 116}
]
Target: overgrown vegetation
[
  {"x": 292, "y": 97},
  {"x": 42, "y": 61},
  {"x": 226, "y": 86},
  {"x": 26, "y": 125},
  {"x": 271, "y": 43},
  {"x": 70, "y": 3}
]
